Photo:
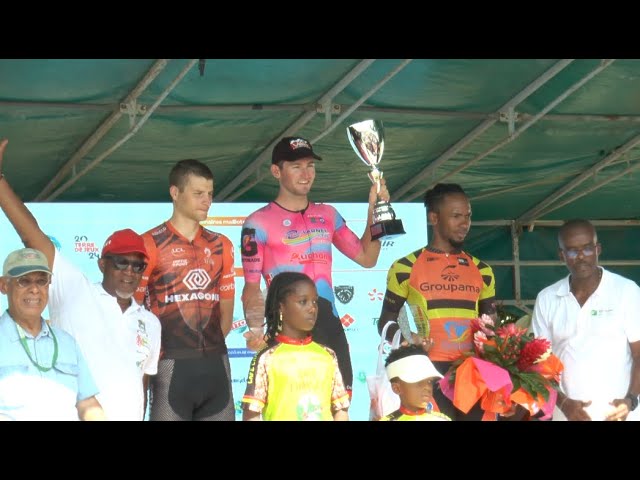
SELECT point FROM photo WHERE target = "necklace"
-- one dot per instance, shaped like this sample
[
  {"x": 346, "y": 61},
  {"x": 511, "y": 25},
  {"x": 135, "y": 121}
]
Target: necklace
[
  {"x": 23, "y": 341},
  {"x": 437, "y": 250}
]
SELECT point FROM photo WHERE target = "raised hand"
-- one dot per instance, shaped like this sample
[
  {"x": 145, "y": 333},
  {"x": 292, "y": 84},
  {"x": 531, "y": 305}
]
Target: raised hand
[{"x": 374, "y": 196}]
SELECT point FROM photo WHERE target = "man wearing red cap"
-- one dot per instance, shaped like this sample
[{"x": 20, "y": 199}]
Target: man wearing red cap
[
  {"x": 293, "y": 234},
  {"x": 119, "y": 338},
  {"x": 190, "y": 287}
]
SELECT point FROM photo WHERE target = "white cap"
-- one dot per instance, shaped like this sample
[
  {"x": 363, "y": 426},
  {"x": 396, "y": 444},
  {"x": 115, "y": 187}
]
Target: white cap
[{"x": 412, "y": 369}]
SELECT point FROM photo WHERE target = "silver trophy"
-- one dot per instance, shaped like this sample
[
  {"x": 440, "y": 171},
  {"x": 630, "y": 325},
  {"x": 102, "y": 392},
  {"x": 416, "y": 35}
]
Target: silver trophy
[{"x": 367, "y": 139}]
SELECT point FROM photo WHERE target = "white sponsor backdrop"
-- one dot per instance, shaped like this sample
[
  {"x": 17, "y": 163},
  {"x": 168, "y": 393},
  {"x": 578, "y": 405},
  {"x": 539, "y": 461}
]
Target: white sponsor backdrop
[{"x": 79, "y": 230}]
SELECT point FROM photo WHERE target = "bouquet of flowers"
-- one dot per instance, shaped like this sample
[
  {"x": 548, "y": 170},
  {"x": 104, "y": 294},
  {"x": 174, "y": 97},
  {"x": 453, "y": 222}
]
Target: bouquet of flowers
[{"x": 507, "y": 365}]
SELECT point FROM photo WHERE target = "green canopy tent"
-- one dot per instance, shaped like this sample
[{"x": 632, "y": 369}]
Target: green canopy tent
[{"x": 532, "y": 141}]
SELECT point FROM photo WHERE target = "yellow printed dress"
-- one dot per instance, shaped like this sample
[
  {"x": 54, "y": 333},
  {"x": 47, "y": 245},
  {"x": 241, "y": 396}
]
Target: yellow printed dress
[{"x": 295, "y": 380}]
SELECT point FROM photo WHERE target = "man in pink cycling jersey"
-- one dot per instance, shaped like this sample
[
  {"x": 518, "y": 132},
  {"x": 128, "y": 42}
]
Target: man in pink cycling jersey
[{"x": 293, "y": 234}]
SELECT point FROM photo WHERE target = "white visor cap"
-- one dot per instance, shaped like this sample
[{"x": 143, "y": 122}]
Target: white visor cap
[{"x": 412, "y": 369}]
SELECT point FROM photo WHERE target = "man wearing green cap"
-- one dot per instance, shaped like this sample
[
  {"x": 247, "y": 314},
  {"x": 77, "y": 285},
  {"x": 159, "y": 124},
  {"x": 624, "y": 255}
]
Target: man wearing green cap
[{"x": 43, "y": 375}]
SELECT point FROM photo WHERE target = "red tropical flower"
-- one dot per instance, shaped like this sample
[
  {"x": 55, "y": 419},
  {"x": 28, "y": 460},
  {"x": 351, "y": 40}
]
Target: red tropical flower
[
  {"x": 521, "y": 368},
  {"x": 531, "y": 352}
]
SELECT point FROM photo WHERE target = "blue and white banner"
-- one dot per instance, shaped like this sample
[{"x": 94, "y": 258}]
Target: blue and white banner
[{"x": 79, "y": 230}]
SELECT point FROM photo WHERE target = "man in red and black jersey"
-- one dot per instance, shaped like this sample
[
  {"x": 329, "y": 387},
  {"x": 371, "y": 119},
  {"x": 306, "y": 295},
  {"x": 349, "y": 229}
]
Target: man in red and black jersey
[{"x": 189, "y": 285}]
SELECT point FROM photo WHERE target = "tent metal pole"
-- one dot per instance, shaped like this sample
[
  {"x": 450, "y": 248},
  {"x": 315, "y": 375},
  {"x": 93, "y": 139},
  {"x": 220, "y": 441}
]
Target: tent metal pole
[
  {"x": 601, "y": 183},
  {"x": 401, "y": 194},
  {"x": 246, "y": 187},
  {"x": 362, "y": 99},
  {"x": 335, "y": 123},
  {"x": 632, "y": 222},
  {"x": 510, "y": 138},
  {"x": 538, "y": 210},
  {"x": 102, "y": 130},
  {"x": 307, "y": 107},
  {"x": 559, "y": 263},
  {"x": 515, "y": 252},
  {"x": 131, "y": 133},
  {"x": 300, "y": 122}
]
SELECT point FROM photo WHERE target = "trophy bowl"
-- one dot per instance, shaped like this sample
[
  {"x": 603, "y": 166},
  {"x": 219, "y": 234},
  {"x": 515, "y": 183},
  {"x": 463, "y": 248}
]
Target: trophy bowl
[{"x": 367, "y": 140}]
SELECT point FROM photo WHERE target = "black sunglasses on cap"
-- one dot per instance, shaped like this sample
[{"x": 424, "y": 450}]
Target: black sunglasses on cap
[{"x": 122, "y": 263}]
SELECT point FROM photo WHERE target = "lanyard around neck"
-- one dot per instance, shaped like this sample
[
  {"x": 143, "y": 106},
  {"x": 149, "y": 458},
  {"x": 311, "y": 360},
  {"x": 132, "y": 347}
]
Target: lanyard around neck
[{"x": 23, "y": 341}]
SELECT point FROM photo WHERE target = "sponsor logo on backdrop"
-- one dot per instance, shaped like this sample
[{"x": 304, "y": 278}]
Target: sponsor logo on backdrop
[
  {"x": 239, "y": 324},
  {"x": 83, "y": 245},
  {"x": 347, "y": 320},
  {"x": 223, "y": 221},
  {"x": 387, "y": 244},
  {"x": 344, "y": 293},
  {"x": 240, "y": 352},
  {"x": 375, "y": 295}
]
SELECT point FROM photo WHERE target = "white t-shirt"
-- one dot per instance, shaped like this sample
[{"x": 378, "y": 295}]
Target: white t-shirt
[
  {"x": 592, "y": 341},
  {"x": 118, "y": 347}
]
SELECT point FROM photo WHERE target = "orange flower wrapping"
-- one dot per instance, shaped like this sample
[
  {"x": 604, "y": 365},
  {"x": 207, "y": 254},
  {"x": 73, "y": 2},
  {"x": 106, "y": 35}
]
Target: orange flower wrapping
[
  {"x": 477, "y": 379},
  {"x": 550, "y": 368},
  {"x": 507, "y": 365}
]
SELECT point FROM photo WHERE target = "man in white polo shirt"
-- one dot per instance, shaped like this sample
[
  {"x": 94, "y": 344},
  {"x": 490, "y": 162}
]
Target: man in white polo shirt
[
  {"x": 592, "y": 319},
  {"x": 118, "y": 337}
]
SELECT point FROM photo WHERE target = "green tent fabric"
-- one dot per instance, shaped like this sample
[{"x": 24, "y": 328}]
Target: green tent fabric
[{"x": 530, "y": 140}]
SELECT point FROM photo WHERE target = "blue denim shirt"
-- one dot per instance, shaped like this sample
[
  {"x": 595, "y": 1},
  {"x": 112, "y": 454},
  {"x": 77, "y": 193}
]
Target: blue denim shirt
[{"x": 29, "y": 394}]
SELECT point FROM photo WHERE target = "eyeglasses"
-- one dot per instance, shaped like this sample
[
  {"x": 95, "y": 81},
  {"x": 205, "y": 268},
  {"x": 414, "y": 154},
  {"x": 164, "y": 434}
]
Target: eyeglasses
[
  {"x": 122, "y": 263},
  {"x": 572, "y": 253},
  {"x": 40, "y": 282}
]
